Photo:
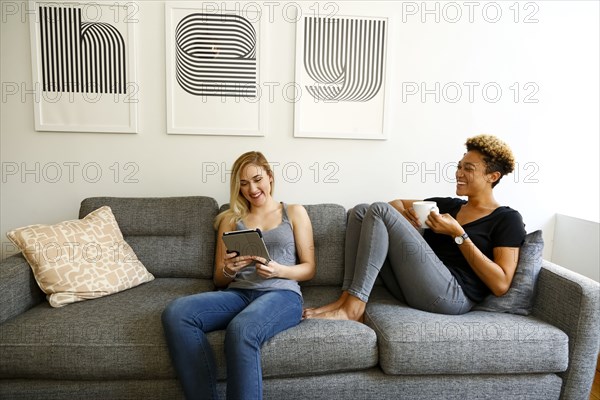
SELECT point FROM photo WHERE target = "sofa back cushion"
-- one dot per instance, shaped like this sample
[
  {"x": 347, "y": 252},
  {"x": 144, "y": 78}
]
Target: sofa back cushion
[
  {"x": 329, "y": 233},
  {"x": 521, "y": 295},
  {"x": 172, "y": 236}
]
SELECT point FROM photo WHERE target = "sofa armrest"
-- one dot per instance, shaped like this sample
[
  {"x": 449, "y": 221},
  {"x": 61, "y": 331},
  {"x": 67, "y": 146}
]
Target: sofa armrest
[
  {"x": 571, "y": 302},
  {"x": 18, "y": 289}
]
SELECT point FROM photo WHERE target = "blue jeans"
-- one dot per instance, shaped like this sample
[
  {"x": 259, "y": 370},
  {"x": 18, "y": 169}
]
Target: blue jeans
[
  {"x": 379, "y": 235},
  {"x": 250, "y": 317}
]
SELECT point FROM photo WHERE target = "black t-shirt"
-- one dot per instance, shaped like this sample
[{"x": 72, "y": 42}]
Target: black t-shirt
[{"x": 502, "y": 228}]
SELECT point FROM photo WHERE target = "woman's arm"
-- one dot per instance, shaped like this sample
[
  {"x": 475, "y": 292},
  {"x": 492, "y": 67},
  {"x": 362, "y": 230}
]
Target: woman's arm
[
  {"x": 226, "y": 265},
  {"x": 303, "y": 236},
  {"x": 404, "y": 207},
  {"x": 497, "y": 274}
]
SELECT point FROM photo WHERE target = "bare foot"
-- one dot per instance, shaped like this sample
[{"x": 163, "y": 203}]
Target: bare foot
[
  {"x": 311, "y": 312},
  {"x": 352, "y": 309},
  {"x": 338, "y": 314}
]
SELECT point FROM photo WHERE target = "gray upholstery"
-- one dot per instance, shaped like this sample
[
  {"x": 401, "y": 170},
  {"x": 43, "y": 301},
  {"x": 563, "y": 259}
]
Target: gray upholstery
[
  {"x": 329, "y": 228},
  {"x": 521, "y": 294},
  {"x": 18, "y": 289},
  {"x": 113, "y": 347},
  {"x": 115, "y": 337},
  {"x": 571, "y": 302},
  {"x": 364, "y": 385},
  {"x": 173, "y": 236},
  {"x": 414, "y": 342},
  {"x": 107, "y": 332}
]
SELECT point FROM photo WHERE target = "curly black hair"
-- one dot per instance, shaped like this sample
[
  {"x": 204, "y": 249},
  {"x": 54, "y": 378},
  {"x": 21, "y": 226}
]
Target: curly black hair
[{"x": 498, "y": 157}]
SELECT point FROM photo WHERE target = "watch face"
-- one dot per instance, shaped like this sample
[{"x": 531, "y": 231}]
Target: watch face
[{"x": 459, "y": 240}]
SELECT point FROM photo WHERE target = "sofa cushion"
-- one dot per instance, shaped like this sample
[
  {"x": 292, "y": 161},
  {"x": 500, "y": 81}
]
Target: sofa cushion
[
  {"x": 172, "y": 236},
  {"x": 121, "y": 337},
  {"x": 416, "y": 342},
  {"x": 521, "y": 294},
  {"x": 310, "y": 348},
  {"x": 329, "y": 233},
  {"x": 80, "y": 259},
  {"x": 313, "y": 346},
  {"x": 320, "y": 346},
  {"x": 113, "y": 337}
]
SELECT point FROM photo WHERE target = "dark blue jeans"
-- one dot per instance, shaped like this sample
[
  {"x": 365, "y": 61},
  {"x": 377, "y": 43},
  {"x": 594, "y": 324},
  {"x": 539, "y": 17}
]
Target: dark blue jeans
[{"x": 250, "y": 318}]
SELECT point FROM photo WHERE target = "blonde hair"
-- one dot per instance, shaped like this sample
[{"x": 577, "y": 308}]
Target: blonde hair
[
  {"x": 498, "y": 157},
  {"x": 238, "y": 205}
]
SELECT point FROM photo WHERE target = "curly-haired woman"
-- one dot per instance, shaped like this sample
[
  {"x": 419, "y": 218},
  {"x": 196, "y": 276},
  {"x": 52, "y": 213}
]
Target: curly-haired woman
[{"x": 470, "y": 250}]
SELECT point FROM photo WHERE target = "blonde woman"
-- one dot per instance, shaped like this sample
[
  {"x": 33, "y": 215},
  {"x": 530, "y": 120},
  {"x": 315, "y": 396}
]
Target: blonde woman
[
  {"x": 260, "y": 298},
  {"x": 470, "y": 251}
]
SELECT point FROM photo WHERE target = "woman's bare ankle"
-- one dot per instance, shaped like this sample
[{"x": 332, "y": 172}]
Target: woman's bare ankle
[
  {"x": 355, "y": 308},
  {"x": 352, "y": 309}
]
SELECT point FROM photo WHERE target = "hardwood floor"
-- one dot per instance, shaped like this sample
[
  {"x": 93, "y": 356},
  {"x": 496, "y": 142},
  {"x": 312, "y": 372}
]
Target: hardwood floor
[{"x": 595, "y": 395}]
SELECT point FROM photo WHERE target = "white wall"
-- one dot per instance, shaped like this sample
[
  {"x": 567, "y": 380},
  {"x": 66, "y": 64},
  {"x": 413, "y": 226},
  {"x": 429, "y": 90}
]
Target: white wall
[
  {"x": 555, "y": 140},
  {"x": 576, "y": 245}
]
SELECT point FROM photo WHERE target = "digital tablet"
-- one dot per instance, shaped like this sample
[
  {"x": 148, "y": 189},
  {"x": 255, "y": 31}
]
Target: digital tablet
[{"x": 247, "y": 242}]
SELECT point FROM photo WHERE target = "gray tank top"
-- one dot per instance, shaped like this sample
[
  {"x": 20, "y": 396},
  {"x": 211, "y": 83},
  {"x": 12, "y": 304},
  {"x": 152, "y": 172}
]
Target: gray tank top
[{"x": 282, "y": 248}]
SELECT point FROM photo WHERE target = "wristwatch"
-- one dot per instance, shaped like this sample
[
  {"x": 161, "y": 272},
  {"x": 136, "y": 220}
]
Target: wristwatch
[{"x": 461, "y": 239}]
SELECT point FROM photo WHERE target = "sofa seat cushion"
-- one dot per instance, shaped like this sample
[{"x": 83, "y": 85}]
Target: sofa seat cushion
[
  {"x": 114, "y": 337},
  {"x": 416, "y": 342},
  {"x": 310, "y": 348},
  {"x": 313, "y": 346},
  {"x": 121, "y": 337}
]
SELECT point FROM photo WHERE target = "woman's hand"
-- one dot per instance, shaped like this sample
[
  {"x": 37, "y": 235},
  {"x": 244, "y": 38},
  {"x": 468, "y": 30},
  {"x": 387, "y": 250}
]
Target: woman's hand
[
  {"x": 411, "y": 216},
  {"x": 444, "y": 224},
  {"x": 405, "y": 208},
  {"x": 232, "y": 264},
  {"x": 266, "y": 269}
]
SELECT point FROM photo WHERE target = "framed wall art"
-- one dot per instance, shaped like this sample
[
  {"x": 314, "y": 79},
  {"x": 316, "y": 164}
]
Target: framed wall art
[
  {"x": 214, "y": 67},
  {"x": 341, "y": 77},
  {"x": 84, "y": 66}
]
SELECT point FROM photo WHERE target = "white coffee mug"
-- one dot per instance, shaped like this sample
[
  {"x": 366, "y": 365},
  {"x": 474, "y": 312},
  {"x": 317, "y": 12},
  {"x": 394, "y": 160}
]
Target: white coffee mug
[{"x": 423, "y": 209}]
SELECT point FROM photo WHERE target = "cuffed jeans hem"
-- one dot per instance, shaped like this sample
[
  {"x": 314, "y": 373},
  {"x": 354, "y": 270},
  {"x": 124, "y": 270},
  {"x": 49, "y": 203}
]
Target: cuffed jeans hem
[{"x": 358, "y": 295}]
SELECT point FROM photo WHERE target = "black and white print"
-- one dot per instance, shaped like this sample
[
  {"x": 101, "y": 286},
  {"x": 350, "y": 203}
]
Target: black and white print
[
  {"x": 84, "y": 66},
  {"x": 342, "y": 70},
  {"x": 216, "y": 55},
  {"x": 80, "y": 56},
  {"x": 215, "y": 69},
  {"x": 345, "y": 57}
]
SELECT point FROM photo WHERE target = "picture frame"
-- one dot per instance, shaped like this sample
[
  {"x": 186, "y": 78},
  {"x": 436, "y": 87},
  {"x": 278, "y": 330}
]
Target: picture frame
[
  {"x": 213, "y": 78},
  {"x": 342, "y": 74},
  {"x": 84, "y": 66}
]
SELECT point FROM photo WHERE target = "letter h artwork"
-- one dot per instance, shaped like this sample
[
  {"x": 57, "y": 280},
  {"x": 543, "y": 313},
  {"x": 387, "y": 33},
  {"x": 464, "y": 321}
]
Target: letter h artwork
[{"x": 84, "y": 67}]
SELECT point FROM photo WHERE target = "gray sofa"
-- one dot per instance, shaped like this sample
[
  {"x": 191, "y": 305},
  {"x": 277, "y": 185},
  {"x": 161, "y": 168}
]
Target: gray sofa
[{"x": 113, "y": 347}]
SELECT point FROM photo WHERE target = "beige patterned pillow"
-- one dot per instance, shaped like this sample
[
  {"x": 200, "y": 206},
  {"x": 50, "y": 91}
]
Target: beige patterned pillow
[{"x": 80, "y": 259}]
